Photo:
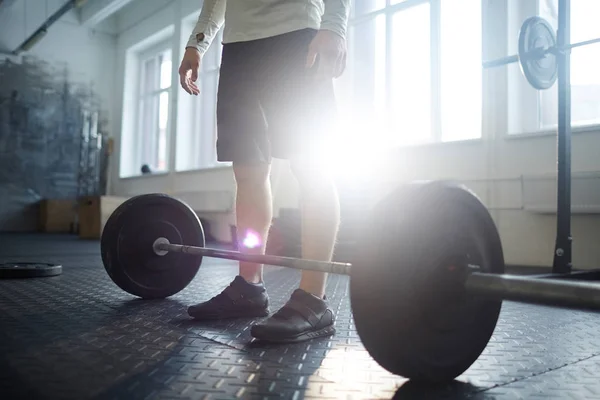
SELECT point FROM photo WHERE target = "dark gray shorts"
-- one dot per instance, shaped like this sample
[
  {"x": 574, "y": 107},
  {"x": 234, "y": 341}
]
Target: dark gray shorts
[{"x": 268, "y": 104}]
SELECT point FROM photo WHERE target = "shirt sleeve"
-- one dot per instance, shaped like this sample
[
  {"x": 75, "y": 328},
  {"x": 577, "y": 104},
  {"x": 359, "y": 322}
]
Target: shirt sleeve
[
  {"x": 211, "y": 19},
  {"x": 335, "y": 17}
]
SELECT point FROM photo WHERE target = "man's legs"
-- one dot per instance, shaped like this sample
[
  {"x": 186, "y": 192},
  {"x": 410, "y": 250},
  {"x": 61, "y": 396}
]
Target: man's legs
[
  {"x": 307, "y": 315},
  {"x": 242, "y": 140},
  {"x": 320, "y": 211},
  {"x": 254, "y": 211},
  {"x": 300, "y": 110},
  {"x": 246, "y": 296},
  {"x": 261, "y": 107}
]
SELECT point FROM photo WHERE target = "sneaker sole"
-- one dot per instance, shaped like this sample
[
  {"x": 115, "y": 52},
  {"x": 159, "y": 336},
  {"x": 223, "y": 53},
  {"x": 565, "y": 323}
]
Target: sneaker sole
[{"x": 323, "y": 332}]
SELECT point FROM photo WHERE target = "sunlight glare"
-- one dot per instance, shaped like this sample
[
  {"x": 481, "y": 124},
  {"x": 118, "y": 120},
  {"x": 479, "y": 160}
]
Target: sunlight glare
[{"x": 251, "y": 240}]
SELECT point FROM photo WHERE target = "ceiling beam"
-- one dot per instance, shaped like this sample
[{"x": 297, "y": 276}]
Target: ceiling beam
[{"x": 96, "y": 11}]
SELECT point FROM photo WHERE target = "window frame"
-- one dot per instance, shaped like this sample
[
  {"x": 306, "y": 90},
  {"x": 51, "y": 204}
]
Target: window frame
[
  {"x": 153, "y": 51},
  {"x": 516, "y": 85},
  {"x": 389, "y": 10},
  {"x": 194, "y": 134},
  {"x": 199, "y": 139}
]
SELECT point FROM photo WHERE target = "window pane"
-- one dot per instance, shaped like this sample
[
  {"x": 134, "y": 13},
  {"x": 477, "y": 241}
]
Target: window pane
[
  {"x": 368, "y": 67},
  {"x": 154, "y": 111},
  {"x": 148, "y": 132},
  {"x": 585, "y": 62},
  {"x": 362, "y": 7},
  {"x": 461, "y": 69},
  {"x": 411, "y": 76},
  {"x": 165, "y": 70},
  {"x": 149, "y": 75},
  {"x": 584, "y": 22},
  {"x": 207, "y": 120},
  {"x": 196, "y": 136},
  {"x": 163, "y": 117},
  {"x": 163, "y": 110}
]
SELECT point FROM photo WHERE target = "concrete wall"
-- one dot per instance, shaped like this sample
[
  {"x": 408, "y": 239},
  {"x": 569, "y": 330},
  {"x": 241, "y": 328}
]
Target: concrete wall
[{"x": 43, "y": 93}]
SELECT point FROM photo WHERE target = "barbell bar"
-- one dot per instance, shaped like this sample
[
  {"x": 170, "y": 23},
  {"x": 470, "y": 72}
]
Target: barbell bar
[
  {"x": 542, "y": 291},
  {"x": 537, "y": 53},
  {"x": 580, "y": 295},
  {"x": 426, "y": 283},
  {"x": 162, "y": 246}
]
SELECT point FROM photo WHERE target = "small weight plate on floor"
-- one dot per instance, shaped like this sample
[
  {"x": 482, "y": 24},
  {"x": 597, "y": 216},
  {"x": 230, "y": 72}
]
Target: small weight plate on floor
[
  {"x": 127, "y": 245},
  {"x": 28, "y": 270},
  {"x": 409, "y": 304},
  {"x": 536, "y": 32}
]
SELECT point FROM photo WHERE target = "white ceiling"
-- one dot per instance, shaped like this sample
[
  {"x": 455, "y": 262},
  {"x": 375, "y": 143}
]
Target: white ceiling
[
  {"x": 96, "y": 11},
  {"x": 91, "y": 13}
]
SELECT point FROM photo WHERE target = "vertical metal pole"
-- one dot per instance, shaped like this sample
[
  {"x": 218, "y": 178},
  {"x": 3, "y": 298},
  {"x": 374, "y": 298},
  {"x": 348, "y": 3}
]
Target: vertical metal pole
[{"x": 562, "y": 249}]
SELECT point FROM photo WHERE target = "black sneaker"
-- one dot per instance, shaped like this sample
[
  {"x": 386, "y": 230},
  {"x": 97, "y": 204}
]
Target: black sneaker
[
  {"x": 239, "y": 300},
  {"x": 303, "y": 317}
]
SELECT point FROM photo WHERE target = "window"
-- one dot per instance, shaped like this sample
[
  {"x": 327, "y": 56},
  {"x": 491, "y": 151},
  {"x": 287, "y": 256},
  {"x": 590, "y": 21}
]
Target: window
[
  {"x": 531, "y": 110},
  {"x": 585, "y": 64},
  {"x": 196, "y": 136},
  {"x": 155, "y": 67},
  {"x": 414, "y": 71},
  {"x": 460, "y": 65}
]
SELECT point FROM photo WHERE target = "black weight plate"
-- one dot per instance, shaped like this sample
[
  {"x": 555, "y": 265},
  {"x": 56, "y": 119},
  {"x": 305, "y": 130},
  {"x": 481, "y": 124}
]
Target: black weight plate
[
  {"x": 407, "y": 287},
  {"x": 19, "y": 270},
  {"x": 128, "y": 237},
  {"x": 536, "y": 32}
]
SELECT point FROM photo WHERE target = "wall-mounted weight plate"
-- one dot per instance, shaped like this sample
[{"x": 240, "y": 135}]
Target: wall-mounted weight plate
[
  {"x": 127, "y": 245},
  {"x": 18, "y": 270},
  {"x": 409, "y": 302},
  {"x": 541, "y": 71}
]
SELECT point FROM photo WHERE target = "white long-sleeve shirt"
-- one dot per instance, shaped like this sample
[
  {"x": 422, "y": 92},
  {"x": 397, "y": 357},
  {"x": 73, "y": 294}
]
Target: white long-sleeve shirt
[{"x": 245, "y": 20}]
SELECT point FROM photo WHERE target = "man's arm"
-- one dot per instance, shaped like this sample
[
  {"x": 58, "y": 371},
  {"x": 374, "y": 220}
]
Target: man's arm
[
  {"x": 335, "y": 17},
  {"x": 211, "y": 19}
]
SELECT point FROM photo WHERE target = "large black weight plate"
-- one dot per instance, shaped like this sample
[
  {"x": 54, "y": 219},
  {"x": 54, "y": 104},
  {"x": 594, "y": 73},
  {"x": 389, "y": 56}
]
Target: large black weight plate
[
  {"x": 541, "y": 72},
  {"x": 128, "y": 237},
  {"x": 19, "y": 270},
  {"x": 410, "y": 307}
]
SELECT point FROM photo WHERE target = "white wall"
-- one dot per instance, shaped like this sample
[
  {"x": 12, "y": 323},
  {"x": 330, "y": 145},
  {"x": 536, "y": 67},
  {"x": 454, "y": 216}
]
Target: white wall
[
  {"x": 90, "y": 54},
  {"x": 494, "y": 166}
]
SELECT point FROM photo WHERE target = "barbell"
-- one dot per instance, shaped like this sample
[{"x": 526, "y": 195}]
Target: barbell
[
  {"x": 537, "y": 53},
  {"x": 426, "y": 283}
]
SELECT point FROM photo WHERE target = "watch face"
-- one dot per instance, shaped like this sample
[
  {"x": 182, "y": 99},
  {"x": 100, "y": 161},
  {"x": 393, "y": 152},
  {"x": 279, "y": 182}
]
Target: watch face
[{"x": 200, "y": 37}]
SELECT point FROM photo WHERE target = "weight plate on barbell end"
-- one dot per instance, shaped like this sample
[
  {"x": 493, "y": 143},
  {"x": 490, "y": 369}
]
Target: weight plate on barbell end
[
  {"x": 535, "y": 33},
  {"x": 407, "y": 292},
  {"x": 19, "y": 270},
  {"x": 127, "y": 245}
]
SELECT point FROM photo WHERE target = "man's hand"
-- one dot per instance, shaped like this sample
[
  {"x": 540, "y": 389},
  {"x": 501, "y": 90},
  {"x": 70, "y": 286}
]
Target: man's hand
[
  {"x": 330, "y": 48},
  {"x": 188, "y": 71}
]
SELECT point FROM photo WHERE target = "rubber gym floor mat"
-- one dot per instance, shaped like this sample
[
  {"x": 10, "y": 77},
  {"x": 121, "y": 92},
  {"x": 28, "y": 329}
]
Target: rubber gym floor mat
[
  {"x": 79, "y": 336},
  {"x": 39, "y": 245}
]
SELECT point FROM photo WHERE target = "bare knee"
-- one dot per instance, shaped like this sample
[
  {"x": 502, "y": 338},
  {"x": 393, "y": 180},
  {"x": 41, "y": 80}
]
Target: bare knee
[{"x": 251, "y": 174}]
